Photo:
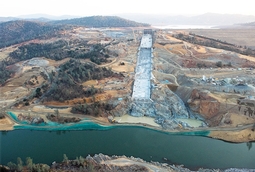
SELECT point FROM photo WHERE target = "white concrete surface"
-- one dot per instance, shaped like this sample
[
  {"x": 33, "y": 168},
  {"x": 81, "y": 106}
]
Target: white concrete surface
[
  {"x": 146, "y": 41},
  {"x": 142, "y": 84}
]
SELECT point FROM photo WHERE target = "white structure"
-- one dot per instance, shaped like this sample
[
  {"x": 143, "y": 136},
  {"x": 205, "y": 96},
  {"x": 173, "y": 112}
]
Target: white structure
[
  {"x": 146, "y": 41},
  {"x": 142, "y": 84}
]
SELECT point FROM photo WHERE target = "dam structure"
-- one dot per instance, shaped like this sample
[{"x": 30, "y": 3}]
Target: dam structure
[{"x": 142, "y": 84}]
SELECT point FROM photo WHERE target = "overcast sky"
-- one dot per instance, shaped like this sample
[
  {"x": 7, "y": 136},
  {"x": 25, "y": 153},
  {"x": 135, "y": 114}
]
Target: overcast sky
[{"x": 111, "y": 7}]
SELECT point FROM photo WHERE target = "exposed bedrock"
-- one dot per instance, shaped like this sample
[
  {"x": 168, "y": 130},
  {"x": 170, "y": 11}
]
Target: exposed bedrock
[{"x": 165, "y": 107}]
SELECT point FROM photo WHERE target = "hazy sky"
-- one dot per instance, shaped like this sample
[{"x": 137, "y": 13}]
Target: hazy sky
[{"x": 110, "y": 7}]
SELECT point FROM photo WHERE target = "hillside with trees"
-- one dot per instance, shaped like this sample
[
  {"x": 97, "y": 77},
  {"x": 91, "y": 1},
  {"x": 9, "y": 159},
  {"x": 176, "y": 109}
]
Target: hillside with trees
[
  {"x": 4, "y": 73},
  {"x": 101, "y": 21},
  {"x": 66, "y": 85},
  {"x": 61, "y": 49},
  {"x": 14, "y": 32},
  {"x": 94, "y": 109}
]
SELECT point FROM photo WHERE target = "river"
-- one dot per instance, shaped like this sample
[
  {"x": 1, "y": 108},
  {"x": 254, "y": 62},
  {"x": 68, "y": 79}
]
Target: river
[{"x": 192, "y": 151}]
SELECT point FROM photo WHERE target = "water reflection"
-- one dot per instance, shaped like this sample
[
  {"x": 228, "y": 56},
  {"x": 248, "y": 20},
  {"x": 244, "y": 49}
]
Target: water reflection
[{"x": 249, "y": 145}]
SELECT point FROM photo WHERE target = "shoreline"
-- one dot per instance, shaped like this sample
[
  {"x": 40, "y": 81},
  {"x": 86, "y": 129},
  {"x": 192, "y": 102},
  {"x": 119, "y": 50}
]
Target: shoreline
[{"x": 232, "y": 135}]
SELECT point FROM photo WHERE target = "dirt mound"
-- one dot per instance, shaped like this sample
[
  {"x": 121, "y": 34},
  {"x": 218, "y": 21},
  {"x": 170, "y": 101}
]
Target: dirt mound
[{"x": 204, "y": 104}]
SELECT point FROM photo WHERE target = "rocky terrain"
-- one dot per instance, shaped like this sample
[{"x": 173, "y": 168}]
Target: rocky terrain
[{"x": 104, "y": 163}]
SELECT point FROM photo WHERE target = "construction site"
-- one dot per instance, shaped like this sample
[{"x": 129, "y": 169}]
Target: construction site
[{"x": 165, "y": 81}]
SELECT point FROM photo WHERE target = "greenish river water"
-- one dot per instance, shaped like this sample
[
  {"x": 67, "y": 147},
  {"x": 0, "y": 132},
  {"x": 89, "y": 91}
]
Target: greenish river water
[{"x": 192, "y": 151}]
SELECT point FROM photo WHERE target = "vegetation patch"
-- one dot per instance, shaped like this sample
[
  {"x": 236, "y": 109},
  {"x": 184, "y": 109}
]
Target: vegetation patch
[
  {"x": 4, "y": 73},
  {"x": 15, "y": 32},
  {"x": 67, "y": 84},
  {"x": 61, "y": 119},
  {"x": 62, "y": 49},
  {"x": 94, "y": 109},
  {"x": 102, "y": 21}
]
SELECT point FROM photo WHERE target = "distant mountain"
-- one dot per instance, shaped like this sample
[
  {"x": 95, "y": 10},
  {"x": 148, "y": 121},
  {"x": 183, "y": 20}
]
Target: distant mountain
[
  {"x": 252, "y": 24},
  {"x": 37, "y": 17},
  {"x": 6, "y": 19},
  {"x": 49, "y": 17},
  {"x": 204, "y": 19},
  {"x": 40, "y": 19},
  {"x": 101, "y": 21},
  {"x": 249, "y": 25},
  {"x": 14, "y": 32}
]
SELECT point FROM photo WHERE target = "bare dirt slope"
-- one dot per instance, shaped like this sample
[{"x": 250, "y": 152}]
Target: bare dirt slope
[
  {"x": 216, "y": 97},
  {"x": 236, "y": 36}
]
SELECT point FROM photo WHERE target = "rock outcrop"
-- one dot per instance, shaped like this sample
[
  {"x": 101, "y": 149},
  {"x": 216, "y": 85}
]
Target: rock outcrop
[
  {"x": 121, "y": 107},
  {"x": 165, "y": 107},
  {"x": 30, "y": 120}
]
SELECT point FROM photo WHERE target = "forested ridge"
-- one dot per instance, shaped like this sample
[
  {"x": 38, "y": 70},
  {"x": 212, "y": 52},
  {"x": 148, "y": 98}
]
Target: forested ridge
[
  {"x": 101, "y": 21},
  {"x": 14, "y": 32},
  {"x": 62, "y": 49},
  {"x": 67, "y": 84}
]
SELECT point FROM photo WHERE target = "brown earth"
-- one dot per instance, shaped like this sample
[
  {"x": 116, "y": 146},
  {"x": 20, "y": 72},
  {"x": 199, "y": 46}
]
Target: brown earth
[
  {"x": 107, "y": 95},
  {"x": 204, "y": 104},
  {"x": 245, "y": 135},
  {"x": 4, "y": 52},
  {"x": 6, "y": 124},
  {"x": 90, "y": 83},
  {"x": 200, "y": 54},
  {"x": 235, "y": 36}
]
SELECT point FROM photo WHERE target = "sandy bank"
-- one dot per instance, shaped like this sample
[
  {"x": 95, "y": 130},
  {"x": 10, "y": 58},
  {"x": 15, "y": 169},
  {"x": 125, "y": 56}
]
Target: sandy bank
[
  {"x": 38, "y": 109},
  {"x": 6, "y": 124},
  {"x": 245, "y": 135},
  {"x": 192, "y": 122},
  {"x": 230, "y": 134},
  {"x": 127, "y": 119}
]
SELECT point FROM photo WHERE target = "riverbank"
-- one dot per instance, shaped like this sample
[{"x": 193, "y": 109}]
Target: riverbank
[
  {"x": 6, "y": 124},
  {"x": 237, "y": 135},
  {"x": 246, "y": 135},
  {"x": 96, "y": 123}
]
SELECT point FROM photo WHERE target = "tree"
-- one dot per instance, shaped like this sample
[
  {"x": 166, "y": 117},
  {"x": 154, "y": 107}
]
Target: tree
[
  {"x": 19, "y": 164},
  {"x": 29, "y": 163},
  {"x": 57, "y": 113},
  {"x": 218, "y": 64},
  {"x": 199, "y": 65},
  {"x": 38, "y": 92},
  {"x": 81, "y": 160},
  {"x": 12, "y": 166},
  {"x": 249, "y": 145},
  {"x": 65, "y": 158},
  {"x": 2, "y": 115},
  {"x": 93, "y": 99}
]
